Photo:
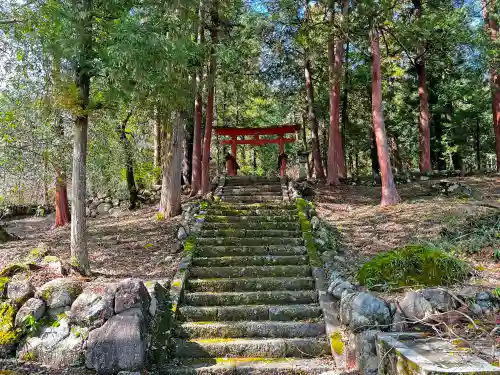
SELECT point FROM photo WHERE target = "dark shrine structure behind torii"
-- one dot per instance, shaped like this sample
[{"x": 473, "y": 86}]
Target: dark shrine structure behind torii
[{"x": 253, "y": 136}]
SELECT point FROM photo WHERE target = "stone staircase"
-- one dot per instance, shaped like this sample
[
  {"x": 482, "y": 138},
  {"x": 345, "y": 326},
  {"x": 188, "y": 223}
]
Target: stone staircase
[{"x": 250, "y": 304}]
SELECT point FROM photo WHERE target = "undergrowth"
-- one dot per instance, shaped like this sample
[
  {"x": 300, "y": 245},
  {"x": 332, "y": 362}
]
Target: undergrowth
[{"x": 412, "y": 265}]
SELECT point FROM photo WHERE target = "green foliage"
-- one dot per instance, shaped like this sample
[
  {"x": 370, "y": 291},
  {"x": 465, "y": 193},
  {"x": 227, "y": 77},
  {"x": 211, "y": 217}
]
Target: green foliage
[{"x": 412, "y": 265}]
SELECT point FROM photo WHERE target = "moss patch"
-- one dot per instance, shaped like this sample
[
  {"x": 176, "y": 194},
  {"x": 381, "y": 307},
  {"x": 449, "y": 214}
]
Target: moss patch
[
  {"x": 307, "y": 235},
  {"x": 3, "y": 285},
  {"x": 412, "y": 265},
  {"x": 8, "y": 334}
]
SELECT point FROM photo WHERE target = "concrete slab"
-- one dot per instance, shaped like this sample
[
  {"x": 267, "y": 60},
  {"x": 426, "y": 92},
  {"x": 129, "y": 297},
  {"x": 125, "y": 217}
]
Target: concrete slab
[{"x": 417, "y": 353}]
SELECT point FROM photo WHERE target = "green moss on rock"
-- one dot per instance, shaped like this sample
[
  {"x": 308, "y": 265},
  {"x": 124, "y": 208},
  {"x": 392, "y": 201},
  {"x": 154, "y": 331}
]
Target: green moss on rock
[
  {"x": 413, "y": 265},
  {"x": 3, "y": 285},
  {"x": 8, "y": 334}
]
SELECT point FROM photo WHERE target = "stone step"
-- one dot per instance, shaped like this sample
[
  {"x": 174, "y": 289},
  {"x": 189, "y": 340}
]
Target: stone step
[
  {"x": 252, "y": 348},
  {"x": 251, "y": 219},
  {"x": 279, "y": 297},
  {"x": 217, "y": 251},
  {"x": 249, "y": 329},
  {"x": 239, "y": 261},
  {"x": 265, "y": 205},
  {"x": 238, "y": 241},
  {"x": 250, "y": 271},
  {"x": 250, "y": 366},
  {"x": 250, "y": 233},
  {"x": 263, "y": 225},
  {"x": 252, "y": 189},
  {"x": 251, "y": 192},
  {"x": 251, "y": 198},
  {"x": 250, "y": 284},
  {"x": 252, "y": 180},
  {"x": 249, "y": 312},
  {"x": 274, "y": 212}
]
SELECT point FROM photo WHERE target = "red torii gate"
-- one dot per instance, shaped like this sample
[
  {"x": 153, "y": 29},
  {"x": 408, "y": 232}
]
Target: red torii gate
[{"x": 278, "y": 131}]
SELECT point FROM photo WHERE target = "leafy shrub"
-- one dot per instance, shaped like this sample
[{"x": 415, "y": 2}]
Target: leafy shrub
[{"x": 412, "y": 265}]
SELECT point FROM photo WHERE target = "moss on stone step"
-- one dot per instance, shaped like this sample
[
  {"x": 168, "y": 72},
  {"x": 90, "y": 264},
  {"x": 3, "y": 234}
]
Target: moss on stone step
[
  {"x": 251, "y": 271},
  {"x": 250, "y": 298},
  {"x": 236, "y": 241},
  {"x": 215, "y": 251},
  {"x": 239, "y": 261},
  {"x": 250, "y": 284}
]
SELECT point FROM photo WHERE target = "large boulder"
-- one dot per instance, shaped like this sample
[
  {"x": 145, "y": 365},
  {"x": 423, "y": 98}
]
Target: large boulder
[
  {"x": 103, "y": 208},
  {"x": 339, "y": 286},
  {"x": 440, "y": 299},
  {"x": 131, "y": 293},
  {"x": 415, "y": 307},
  {"x": 119, "y": 344},
  {"x": 55, "y": 345},
  {"x": 19, "y": 291},
  {"x": 362, "y": 311},
  {"x": 34, "y": 307},
  {"x": 60, "y": 292},
  {"x": 94, "y": 306}
]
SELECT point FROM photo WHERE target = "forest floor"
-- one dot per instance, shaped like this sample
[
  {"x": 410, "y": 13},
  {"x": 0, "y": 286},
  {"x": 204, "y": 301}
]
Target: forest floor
[
  {"x": 366, "y": 229},
  {"x": 134, "y": 244}
]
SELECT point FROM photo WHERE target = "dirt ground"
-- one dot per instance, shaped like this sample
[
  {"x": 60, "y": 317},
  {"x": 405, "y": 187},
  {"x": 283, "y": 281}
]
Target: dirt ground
[
  {"x": 134, "y": 244},
  {"x": 366, "y": 228}
]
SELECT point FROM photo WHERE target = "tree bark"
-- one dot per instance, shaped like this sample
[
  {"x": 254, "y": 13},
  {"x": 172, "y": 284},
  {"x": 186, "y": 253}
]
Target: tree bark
[
  {"x": 478, "y": 143},
  {"x": 62, "y": 206},
  {"x": 79, "y": 253},
  {"x": 157, "y": 147},
  {"x": 198, "y": 114},
  {"x": 129, "y": 163},
  {"x": 205, "y": 176},
  {"x": 173, "y": 129},
  {"x": 424, "y": 115},
  {"x": 389, "y": 193},
  {"x": 313, "y": 119},
  {"x": 187, "y": 147},
  {"x": 491, "y": 27},
  {"x": 336, "y": 158},
  {"x": 345, "y": 113}
]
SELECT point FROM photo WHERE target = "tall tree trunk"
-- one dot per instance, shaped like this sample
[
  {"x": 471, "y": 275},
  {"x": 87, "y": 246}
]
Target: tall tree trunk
[
  {"x": 336, "y": 157},
  {"x": 345, "y": 113},
  {"x": 173, "y": 134},
  {"x": 187, "y": 146},
  {"x": 205, "y": 176},
  {"x": 313, "y": 120},
  {"x": 157, "y": 147},
  {"x": 491, "y": 27},
  {"x": 62, "y": 205},
  {"x": 478, "y": 144},
  {"x": 79, "y": 252},
  {"x": 424, "y": 115},
  {"x": 389, "y": 193},
  {"x": 129, "y": 163},
  {"x": 198, "y": 113}
]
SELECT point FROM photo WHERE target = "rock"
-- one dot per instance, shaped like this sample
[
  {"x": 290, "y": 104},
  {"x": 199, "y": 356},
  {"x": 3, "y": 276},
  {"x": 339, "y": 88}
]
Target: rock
[
  {"x": 338, "y": 286},
  {"x": 131, "y": 292},
  {"x": 115, "y": 212},
  {"x": 119, "y": 344},
  {"x": 366, "y": 352},
  {"x": 486, "y": 301},
  {"x": 58, "y": 311},
  {"x": 115, "y": 202},
  {"x": 19, "y": 291},
  {"x": 108, "y": 200},
  {"x": 415, "y": 307},
  {"x": 129, "y": 373},
  {"x": 440, "y": 299},
  {"x": 94, "y": 306},
  {"x": 55, "y": 345},
  {"x": 103, "y": 208},
  {"x": 93, "y": 213},
  {"x": 34, "y": 307},
  {"x": 87, "y": 211},
  {"x": 101, "y": 195},
  {"x": 54, "y": 265},
  {"x": 315, "y": 223},
  {"x": 399, "y": 323},
  {"x": 424, "y": 178},
  {"x": 176, "y": 247},
  {"x": 60, "y": 292},
  {"x": 182, "y": 234},
  {"x": 475, "y": 309},
  {"x": 156, "y": 289},
  {"x": 335, "y": 275},
  {"x": 362, "y": 311}
]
